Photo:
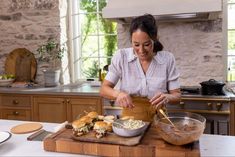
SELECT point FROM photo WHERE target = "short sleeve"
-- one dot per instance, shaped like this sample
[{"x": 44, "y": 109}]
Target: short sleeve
[
  {"x": 115, "y": 70},
  {"x": 173, "y": 74}
]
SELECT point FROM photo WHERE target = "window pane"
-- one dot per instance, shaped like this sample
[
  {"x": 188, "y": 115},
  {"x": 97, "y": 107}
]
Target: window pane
[
  {"x": 90, "y": 68},
  {"x": 231, "y": 68},
  {"x": 231, "y": 16},
  {"x": 103, "y": 62},
  {"x": 90, "y": 46},
  {"x": 88, "y": 6},
  {"x": 107, "y": 26},
  {"x": 88, "y": 24},
  {"x": 231, "y": 40},
  {"x": 231, "y": 1},
  {"x": 109, "y": 45}
]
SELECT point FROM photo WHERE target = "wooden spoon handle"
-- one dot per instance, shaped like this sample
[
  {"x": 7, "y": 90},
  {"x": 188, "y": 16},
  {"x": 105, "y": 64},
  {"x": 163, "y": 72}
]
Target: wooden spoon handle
[{"x": 163, "y": 113}]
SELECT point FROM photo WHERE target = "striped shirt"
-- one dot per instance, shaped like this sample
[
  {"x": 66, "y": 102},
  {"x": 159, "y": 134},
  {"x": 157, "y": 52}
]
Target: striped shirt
[{"x": 161, "y": 76}]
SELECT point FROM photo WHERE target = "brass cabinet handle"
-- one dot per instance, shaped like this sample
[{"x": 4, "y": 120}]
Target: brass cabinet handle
[
  {"x": 67, "y": 101},
  {"x": 16, "y": 113},
  {"x": 15, "y": 102},
  {"x": 219, "y": 106},
  {"x": 209, "y": 105}
]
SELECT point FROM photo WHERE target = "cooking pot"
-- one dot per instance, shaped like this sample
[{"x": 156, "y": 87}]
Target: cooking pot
[{"x": 212, "y": 87}]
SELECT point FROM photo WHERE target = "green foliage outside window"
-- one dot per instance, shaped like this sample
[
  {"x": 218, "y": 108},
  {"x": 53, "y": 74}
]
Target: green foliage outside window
[
  {"x": 106, "y": 27},
  {"x": 231, "y": 1},
  {"x": 231, "y": 39}
]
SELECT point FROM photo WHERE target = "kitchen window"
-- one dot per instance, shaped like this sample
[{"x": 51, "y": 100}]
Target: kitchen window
[
  {"x": 93, "y": 40},
  {"x": 231, "y": 40}
]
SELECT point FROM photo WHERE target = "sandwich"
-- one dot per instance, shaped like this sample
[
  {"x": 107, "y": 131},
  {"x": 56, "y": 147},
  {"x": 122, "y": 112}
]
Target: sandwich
[
  {"x": 82, "y": 126},
  {"x": 93, "y": 115},
  {"x": 100, "y": 129}
]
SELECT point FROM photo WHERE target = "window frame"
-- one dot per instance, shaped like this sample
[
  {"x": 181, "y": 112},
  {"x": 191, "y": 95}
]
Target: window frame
[
  {"x": 226, "y": 41},
  {"x": 76, "y": 72}
]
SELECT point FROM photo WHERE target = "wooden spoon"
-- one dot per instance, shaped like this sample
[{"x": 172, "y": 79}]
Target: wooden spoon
[{"x": 163, "y": 113}]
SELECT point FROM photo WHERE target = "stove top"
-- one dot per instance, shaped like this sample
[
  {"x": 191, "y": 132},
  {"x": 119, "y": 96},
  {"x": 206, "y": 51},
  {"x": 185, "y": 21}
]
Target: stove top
[
  {"x": 190, "y": 90},
  {"x": 194, "y": 90}
]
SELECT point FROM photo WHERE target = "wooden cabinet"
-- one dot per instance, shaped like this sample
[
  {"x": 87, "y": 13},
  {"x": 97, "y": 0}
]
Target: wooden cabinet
[
  {"x": 60, "y": 109},
  {"x": 49, "y": 109},
  {"x": 15, "y": 107},
  {"x": 16, "y": 114},
  {"x": 79, "y": 106}
]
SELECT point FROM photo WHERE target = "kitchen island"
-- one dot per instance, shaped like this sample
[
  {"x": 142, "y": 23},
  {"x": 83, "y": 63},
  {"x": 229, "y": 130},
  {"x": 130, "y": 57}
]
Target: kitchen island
[{"x": 17, "y": 145}]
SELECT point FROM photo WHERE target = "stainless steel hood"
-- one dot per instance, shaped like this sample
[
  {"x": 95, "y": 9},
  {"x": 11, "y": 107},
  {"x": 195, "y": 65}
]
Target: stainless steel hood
[{"x": 165, "y": 10}]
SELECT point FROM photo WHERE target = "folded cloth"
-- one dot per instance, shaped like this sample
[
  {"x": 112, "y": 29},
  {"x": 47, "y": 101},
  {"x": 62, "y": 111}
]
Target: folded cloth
[{"x": 60, "y": 126}]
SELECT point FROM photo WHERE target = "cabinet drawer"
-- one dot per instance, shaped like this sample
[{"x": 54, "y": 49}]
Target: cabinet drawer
[
  {"x": 16, "y": 114},
  {"x": 14, "y": 101}
]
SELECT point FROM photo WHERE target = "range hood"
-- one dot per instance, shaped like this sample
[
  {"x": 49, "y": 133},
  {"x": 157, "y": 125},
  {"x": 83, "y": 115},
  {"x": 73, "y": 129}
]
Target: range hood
[{"x": 163, "y": 10}]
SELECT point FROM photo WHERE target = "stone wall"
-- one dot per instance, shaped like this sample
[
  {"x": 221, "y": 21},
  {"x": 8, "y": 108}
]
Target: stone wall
[
  {"x": 28, "y": 24},
  {"x": 197, "y": 47}
]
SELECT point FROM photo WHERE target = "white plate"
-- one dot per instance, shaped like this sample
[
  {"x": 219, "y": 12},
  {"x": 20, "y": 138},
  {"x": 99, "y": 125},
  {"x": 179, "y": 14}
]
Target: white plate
[
  {"x": 4, "y": 136},
  {"x": 6, "y": 82}
]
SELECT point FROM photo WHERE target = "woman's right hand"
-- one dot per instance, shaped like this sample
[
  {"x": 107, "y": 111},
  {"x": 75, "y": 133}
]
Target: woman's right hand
[{"x": 124, "y": 100}]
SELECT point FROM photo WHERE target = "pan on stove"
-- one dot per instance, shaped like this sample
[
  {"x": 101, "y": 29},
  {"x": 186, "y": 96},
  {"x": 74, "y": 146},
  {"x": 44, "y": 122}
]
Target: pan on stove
[{"x": 212, "y": 87}]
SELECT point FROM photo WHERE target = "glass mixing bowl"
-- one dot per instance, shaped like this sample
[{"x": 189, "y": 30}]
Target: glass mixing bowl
[{"x": 188, "y": 127}]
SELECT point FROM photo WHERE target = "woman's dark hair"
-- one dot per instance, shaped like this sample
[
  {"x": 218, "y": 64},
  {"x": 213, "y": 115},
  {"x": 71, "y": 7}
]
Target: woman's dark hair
[{"x": 147, "y": 24}]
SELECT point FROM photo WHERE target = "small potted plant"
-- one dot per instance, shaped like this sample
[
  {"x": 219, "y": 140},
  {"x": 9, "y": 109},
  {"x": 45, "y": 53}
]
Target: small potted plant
[{"x": 52, "y": 53}]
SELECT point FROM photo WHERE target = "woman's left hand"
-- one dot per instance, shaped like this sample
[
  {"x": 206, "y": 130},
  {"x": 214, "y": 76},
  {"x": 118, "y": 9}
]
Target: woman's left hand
[{"x": 159, "y": 100}]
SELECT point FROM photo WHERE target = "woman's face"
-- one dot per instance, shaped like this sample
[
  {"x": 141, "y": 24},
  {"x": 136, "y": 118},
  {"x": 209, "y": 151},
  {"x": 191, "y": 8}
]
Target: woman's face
[{"x": 142, "y": 44}]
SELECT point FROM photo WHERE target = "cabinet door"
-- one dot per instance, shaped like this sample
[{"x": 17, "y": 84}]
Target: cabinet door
[
  {"x": 80, "y": 106},
  {"x": 49, "y": 109}
]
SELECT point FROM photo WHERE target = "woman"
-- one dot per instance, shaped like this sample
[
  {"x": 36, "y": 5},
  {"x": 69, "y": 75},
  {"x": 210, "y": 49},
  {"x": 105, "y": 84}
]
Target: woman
[{"x": 144, "y": 70}]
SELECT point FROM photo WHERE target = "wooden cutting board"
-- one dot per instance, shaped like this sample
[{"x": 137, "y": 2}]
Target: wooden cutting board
[
  {"x": 26, "y": 128},
  {"x": 111, "y": 138},
  {"x": 21, "y": 63},
  {"x": 150, "y": 145}
]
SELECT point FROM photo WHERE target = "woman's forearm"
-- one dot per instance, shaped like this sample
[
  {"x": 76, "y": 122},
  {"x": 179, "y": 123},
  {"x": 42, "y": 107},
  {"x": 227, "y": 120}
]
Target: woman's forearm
[
  {"x": 108, "y": 92},
  {"x": 174, "y": 98}
]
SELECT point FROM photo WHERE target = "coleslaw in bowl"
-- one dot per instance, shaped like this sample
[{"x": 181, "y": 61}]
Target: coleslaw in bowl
[{"x": 129, "y": 128}]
